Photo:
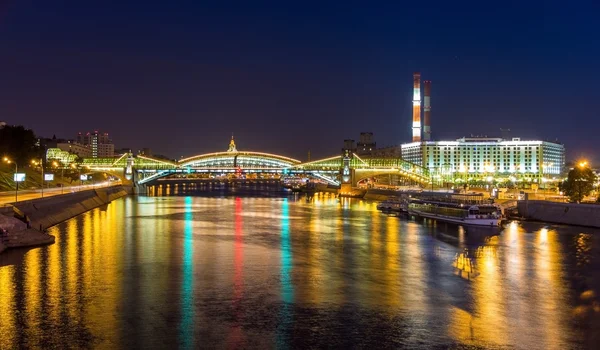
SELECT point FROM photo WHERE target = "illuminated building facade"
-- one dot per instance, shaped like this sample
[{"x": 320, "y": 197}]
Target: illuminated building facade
[
  {"x": 479, "y": 158},
  {"x": 99, "y": 143},
  {"x": 63, "y": 157}
]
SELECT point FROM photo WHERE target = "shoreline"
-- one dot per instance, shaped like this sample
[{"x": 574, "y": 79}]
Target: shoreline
[
  {"x": 26, "y": 238},
  {"x": 51, "y": 211}
]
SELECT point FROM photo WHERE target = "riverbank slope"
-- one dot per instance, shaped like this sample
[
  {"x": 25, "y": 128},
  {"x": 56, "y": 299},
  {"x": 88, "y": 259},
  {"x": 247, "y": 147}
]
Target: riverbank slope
[{"x": 42, "y": 213}]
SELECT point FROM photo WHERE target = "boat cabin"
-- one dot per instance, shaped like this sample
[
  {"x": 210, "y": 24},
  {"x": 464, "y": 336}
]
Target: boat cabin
[{"x": 483, "y": 210}]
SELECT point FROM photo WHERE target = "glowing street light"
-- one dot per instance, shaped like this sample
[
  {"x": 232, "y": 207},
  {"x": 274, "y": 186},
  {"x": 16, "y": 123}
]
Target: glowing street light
[
  {"x": 15, "y": 178},
  {"x": 39, "y": 162}
]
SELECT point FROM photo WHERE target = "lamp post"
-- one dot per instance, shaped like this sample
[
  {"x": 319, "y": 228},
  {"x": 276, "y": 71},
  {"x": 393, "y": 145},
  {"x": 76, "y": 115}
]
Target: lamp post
[
  {"x": 14, "y": 178},
  {"x": 41, "y": 164},
  {"x": 55, "y": 166}
]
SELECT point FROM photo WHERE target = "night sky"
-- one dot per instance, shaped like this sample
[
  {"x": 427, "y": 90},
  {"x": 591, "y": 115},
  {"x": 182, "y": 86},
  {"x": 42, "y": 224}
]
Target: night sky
[{"x": 287, "y": 77}]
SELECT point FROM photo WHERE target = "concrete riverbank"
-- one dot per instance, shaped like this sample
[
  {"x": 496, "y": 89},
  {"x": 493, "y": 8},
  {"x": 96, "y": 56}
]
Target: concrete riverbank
[{"x": 46, "y": 212}]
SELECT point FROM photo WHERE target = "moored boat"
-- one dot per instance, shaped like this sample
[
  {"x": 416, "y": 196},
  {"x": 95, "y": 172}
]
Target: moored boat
[
  {"x": 458, "y": 209},
  {"x": 392, "y": 204}
]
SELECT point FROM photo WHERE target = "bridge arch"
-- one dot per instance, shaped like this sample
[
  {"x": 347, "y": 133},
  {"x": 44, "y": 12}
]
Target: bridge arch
[
  {"x": 238, "y": 159},
  {"x": 234, "y": 159}
]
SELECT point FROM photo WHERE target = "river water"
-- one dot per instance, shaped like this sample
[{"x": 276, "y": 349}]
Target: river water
[{"x": 207, "y": 272}]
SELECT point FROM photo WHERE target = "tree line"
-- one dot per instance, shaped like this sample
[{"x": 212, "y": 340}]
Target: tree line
[
  {"x": 19, "y": 144},
  {"x": 579, "y": 183}
]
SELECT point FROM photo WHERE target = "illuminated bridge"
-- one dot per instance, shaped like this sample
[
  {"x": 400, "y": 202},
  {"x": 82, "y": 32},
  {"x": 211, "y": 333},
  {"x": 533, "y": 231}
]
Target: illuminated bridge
[{"x": 347, "y": 168}]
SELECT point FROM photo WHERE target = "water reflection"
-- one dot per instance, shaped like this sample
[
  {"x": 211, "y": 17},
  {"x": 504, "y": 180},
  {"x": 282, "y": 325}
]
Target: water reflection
[
  {"x": 186, "y": 328},
  {"x": 287, "y": 288},
  {"x": 265, "y": 272}
]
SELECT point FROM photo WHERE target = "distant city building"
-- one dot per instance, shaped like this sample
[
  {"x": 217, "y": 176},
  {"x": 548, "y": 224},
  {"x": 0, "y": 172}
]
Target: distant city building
[
  {"x": 365, "y": 144},
  {"x": 75, "y": 148},
  {"x": 99, "y": 143},
  {"x": 387, "y": 152},
  {"x": 478, "y": 156},
  {"x": 367, "y": 147},
  {"x": 123, "y": 150},
  {"x": 104, "y": 150},
  {"x": 47, "y": 143},
  {"x": 349, "y": 145}
]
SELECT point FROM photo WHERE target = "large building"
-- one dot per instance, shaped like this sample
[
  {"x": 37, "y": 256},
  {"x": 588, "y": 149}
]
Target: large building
[
  {"x": 482, "y": 158},
  {"x": 99, "y": 143}
]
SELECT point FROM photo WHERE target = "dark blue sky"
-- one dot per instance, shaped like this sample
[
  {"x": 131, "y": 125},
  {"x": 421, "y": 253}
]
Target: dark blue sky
[{"x": 286, "y": 77}]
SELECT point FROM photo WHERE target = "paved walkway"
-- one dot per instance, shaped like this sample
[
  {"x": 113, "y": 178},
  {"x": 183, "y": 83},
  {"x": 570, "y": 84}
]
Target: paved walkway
[{"x": 9, "y": 196}]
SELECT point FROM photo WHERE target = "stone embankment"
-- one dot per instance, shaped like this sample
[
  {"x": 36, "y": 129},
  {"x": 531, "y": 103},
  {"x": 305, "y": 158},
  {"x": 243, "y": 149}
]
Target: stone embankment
[
  {"x": 46, "y": 212},
  {"x": 380, "y": 194},
  {"x": 560, "y": 213}
]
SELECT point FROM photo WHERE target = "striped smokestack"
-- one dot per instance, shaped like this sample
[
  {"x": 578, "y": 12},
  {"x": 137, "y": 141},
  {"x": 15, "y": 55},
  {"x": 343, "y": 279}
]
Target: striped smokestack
[
  {"x": 416, "y": 125},
  {"x": 427, "y": 110}
]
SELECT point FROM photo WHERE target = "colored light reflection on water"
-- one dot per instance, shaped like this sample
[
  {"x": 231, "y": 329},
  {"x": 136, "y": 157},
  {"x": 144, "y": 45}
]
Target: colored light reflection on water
[
  {"x": 186, "y": 328},
  {"x": 287, "y": 288},
  {"x": 159, "y": 272}
]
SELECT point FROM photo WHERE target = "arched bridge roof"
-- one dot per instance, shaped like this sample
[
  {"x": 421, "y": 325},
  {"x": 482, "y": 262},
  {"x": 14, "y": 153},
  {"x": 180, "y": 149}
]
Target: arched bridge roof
[{"x": 234, "y": 159}]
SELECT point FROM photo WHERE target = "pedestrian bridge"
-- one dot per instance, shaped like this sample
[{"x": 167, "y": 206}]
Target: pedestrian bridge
[{"x": 145, "y": 170}]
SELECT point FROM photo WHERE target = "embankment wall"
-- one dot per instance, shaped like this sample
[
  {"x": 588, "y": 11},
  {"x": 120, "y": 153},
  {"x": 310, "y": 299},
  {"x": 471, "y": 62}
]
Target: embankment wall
[
  {"x": 560, "y": 213},
  {"x": 50, "y": 211},
  {"x": 380, "y": 194}
]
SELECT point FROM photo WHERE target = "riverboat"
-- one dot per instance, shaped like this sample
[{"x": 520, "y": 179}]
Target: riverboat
[
  {"x": 463, "y": 210},
  {"x": 392, "y": 204}
]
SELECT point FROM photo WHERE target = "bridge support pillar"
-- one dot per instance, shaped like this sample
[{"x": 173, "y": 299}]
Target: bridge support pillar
[
  {"x": 345, "y": 188},
  {"x": 348, "y": 177},
  {"x": 348, "y": 174},
  {"x": 137, "y": 188}
]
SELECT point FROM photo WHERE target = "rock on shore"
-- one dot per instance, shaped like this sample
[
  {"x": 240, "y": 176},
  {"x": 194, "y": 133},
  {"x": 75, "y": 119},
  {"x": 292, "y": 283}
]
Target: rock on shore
[
  {"x": 10, "y": 223},
  {"x": 20, "y": 236}
]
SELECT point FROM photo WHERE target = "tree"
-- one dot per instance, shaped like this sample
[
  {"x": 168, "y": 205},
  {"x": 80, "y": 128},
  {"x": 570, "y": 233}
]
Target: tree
[
  {"x": 579, "y": 183},
  {"x": 18, "y": 144}
]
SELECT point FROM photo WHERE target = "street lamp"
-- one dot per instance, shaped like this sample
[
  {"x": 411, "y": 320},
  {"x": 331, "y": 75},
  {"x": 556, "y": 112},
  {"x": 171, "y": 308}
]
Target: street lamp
[
  {"x": 55, "y": 164},
  {"x": 14, "y": 177},
  {"x": 41, "y": 164}
]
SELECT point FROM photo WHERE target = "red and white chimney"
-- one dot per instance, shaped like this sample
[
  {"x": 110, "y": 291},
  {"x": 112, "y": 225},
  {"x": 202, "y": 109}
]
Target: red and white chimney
[
  {"x": 427, "y": 111},
  {"x": 416, "y": 125}
]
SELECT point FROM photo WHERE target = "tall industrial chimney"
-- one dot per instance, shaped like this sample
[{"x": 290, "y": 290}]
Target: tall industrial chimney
[
  {"x": 427, "y": 111},
  {"x": 416, "y": 126}
]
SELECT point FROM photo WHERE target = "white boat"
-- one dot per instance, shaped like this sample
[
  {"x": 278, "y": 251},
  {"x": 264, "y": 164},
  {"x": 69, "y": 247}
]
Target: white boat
[
  {"x": 391, "y": 204},
  {"x": 468, "y": 212}
]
